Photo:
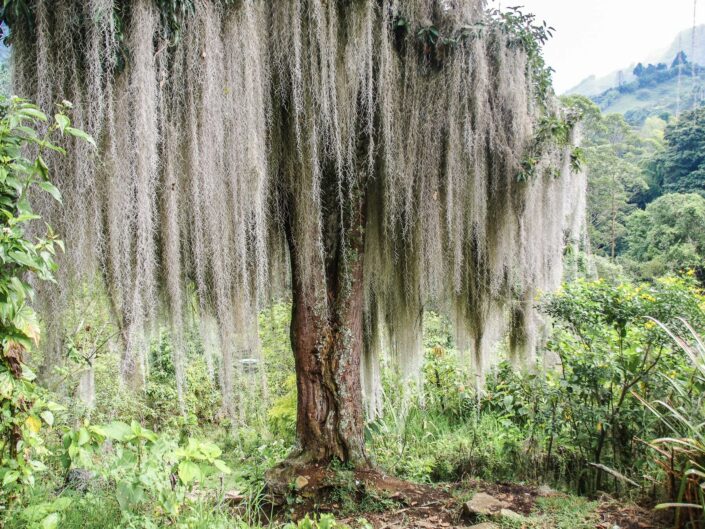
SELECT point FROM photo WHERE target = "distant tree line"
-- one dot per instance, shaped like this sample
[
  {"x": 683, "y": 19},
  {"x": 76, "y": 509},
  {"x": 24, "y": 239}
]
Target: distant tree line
[
  {"x": 654, "y": 74},
  {"x": 646, "y": 197}
]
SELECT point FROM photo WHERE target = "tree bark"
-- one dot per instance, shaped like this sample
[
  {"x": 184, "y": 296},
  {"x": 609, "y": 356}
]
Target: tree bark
[
  {"x": 327, "y": 331},
  {"x": 327, "y": 341}
]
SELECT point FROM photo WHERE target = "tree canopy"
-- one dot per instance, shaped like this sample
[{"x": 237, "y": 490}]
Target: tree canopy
[
  {"x": 681, "y": 167},
  {"x": 669, "y": 235},
  {"x": 375, "y": 158}
]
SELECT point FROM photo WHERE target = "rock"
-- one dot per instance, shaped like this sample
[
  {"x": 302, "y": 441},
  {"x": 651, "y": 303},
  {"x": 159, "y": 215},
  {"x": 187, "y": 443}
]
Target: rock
[
  {"x": 483, "y": 504},
  {"x": 484, "y": 525},
  {"x": 545, "y": 491},
  {"x": 301, "y": 482},
  {"x": 511, "y": 515},
  {"x": 233, "y": 497}
]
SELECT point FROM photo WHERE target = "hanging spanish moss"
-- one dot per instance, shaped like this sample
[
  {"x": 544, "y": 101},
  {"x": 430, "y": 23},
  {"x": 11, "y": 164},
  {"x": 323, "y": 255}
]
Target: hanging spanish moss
[{"x": 240, "y": 141}]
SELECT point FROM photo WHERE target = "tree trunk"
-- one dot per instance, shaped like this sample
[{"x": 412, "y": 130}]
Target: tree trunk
[
  {"x": 327, "y": 341},
  {"x": 327, "y": 358}
]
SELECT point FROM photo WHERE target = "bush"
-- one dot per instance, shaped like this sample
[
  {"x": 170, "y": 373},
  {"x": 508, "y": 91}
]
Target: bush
[{"x": 23, "y": 258}]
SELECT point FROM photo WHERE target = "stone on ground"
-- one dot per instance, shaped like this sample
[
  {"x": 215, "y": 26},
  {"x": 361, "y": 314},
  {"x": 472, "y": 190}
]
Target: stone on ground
[
  {"x": 511, "y": 515},
  {"x": 483, "y": 504}
]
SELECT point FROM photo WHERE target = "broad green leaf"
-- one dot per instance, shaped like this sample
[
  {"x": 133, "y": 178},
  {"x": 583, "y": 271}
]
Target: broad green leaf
[
  {"x": 51, "y": 189},
  {"x": 128, "y": 494},
  {"x": 23, "y": 259},
  {"x": 188, "y": 472},
  {"x": 135, "y": 427},
  {"x": 26, "y": 321},
  {"x": 54, "y": 406},
  {"x": 6, "y": 386},
  {"x": 118, "y": 431},
  {"x": 10, "y": 477},
  {"x": 220, "y": 465},
  {"x": 210, "y": 450},
  {"x": 61, "y": 504},
  {"x": 51, "y": 521},
  {"x": 83, "y": 437},
  {"x": 37, "y": 466},
  {"x": 28, "y": 374},
  {"x": 33, "y": 113}
]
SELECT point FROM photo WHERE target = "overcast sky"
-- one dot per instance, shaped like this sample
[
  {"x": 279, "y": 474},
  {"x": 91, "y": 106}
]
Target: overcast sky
[{"x": 600, "y": 36}]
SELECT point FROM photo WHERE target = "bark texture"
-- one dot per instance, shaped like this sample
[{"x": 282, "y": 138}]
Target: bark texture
[{"x": 327, "y": 340}]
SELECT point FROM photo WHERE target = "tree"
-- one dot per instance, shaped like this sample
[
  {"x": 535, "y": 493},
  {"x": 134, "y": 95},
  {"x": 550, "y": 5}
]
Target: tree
[
  {"x": 371, "y": 148},
  {"x": 681, "y": 167},
  {"x": 614, "y": 159},
  {"x": 681, "y": 59},
  {"x": 669, "y": 235}
]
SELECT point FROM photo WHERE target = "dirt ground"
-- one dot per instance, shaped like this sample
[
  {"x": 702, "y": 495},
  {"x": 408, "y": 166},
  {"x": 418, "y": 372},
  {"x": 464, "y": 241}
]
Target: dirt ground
[{"x": 385, "y": 502}]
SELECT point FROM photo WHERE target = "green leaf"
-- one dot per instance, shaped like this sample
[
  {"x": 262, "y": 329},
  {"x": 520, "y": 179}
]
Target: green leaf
[
  {"x": 210, "y": 450},
  {"x": 188, "y": 472},
  {"x": 22, "y": 258},
  {"x": 51, "y": 521},
  {"x": 118, "y": 431},
  {"x": 61, "y": 504},
  {"x": 128, "y": 494},
  {"x": 83, "y": 437},
  {"x": 10, "y": 477},
  {"x": 51, "y": 189},
  {"x": 62, "y": 121},
  {"x": 37, "y": 466},
  {"x": 33, "y": 113},
  {"x": 48, "y": 417},
  {"x": 7, "y": 385},
  {"x": 77, "y": 133},
  {"x": 220, "y": 465},
  {"x": 28, "y": 374}
]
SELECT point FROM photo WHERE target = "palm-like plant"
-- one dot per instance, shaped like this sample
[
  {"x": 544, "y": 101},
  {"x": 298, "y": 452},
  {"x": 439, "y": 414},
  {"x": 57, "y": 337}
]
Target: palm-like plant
[{"x": 682, "y": 453}]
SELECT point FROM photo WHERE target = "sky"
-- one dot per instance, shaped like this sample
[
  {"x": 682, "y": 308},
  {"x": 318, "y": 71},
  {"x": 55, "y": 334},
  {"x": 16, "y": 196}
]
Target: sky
[{"x": 601, "y": 36}]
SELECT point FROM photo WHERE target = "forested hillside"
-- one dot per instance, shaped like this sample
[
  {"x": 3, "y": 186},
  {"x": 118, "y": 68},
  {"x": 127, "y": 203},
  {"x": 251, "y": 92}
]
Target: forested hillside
[
  {"x": 646, "y": 190},
  {"x": 308, "y": 264}
]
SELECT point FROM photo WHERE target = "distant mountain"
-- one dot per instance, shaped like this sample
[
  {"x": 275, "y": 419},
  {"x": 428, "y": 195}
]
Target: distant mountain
[
  {"x": 670, "y": 81},
  {"x": 684, "y": 41},
  {"x": 664, "y": 97},
  {"x": 593, "y": 85}
]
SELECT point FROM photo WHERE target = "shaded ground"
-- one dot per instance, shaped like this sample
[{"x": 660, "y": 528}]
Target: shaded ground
[{"x": 384, "y": 502}]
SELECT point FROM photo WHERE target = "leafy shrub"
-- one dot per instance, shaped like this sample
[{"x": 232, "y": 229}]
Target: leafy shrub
[
  {"x": 282, "y": 415},
  {"x": 145, "y": 468},
  {"x": 609, "y": 350},
  {"x": 23, "y": 258}
]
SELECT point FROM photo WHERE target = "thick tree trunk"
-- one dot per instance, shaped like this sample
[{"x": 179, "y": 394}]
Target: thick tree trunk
[
  {"x": 327, "y": 341},
  {"x": 327, "y": 357}
]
